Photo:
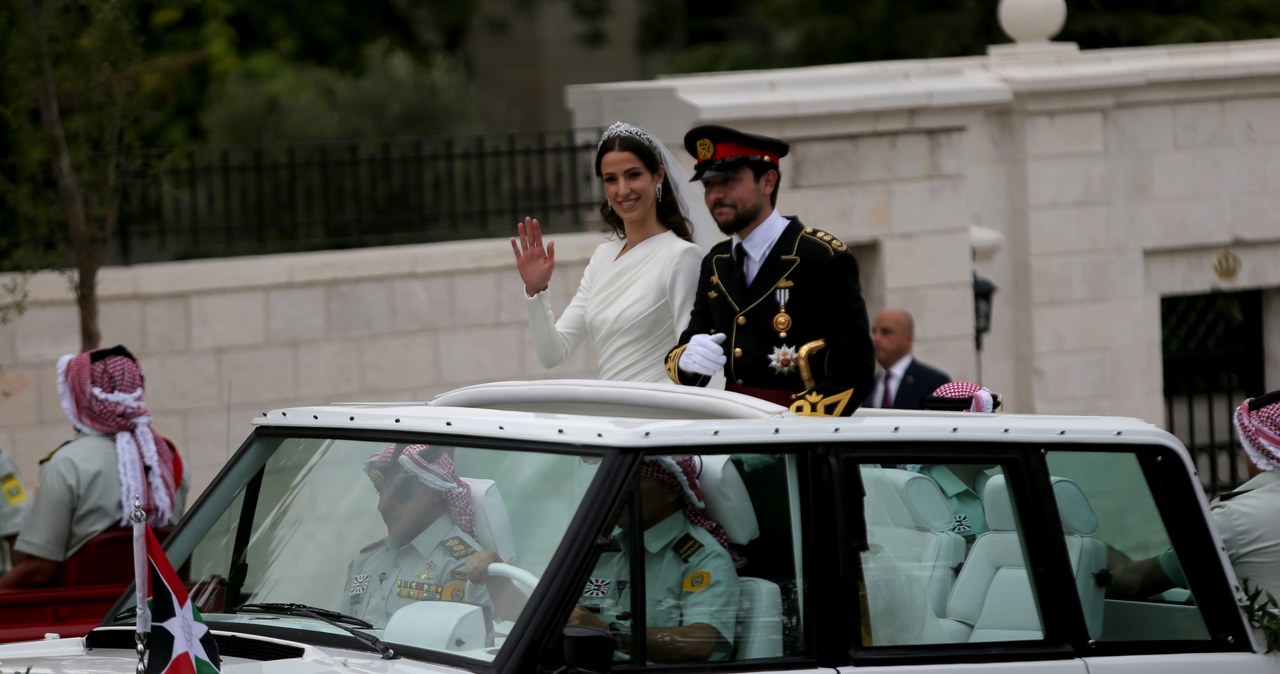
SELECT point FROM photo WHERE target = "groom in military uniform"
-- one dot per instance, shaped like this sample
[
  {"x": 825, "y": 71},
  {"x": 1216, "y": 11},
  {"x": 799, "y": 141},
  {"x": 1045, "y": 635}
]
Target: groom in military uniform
[{"x": 779, "y": 305}]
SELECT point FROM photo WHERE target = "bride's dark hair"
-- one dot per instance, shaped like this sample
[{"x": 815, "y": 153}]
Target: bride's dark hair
[{"x": 668, "y": 207}]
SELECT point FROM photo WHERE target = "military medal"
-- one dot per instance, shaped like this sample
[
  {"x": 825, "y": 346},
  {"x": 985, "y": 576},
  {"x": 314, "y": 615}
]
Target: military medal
[
  {"x": 782, "y": 322},
  {"x": 783, "y": 358}
]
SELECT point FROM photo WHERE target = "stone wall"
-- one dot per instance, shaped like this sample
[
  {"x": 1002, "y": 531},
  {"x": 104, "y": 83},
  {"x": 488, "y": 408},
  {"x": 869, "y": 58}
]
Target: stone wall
[{"x": 221, "y": 341}]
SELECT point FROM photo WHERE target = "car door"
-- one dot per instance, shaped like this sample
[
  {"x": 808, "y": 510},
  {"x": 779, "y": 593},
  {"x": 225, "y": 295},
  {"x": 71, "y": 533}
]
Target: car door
[
  {"x": 951, "y": 572},
  {"x": 1043, "y": 528}
]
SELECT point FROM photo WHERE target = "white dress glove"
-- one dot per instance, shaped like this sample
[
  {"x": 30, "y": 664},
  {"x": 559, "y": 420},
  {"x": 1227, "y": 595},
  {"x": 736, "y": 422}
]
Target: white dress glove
[{"x": 703, "y": 355}]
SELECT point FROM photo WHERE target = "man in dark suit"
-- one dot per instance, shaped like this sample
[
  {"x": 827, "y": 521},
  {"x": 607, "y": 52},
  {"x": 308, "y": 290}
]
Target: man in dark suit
[
  {"x": 779, "y": 305},
  {"x": 902, "y": 380}
]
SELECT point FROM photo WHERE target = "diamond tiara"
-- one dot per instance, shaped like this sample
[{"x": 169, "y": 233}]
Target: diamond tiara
[{"x": 625, "y": 129}]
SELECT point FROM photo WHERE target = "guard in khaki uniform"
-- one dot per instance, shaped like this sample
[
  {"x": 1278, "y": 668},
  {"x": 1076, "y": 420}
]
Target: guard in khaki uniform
[
  {"x": 691, "y": 585},
  {"x": 430, "y": 534},
  {"x": 779, "y": 305},
  {"x": 1245, "y": 518},
  {"x": 80, "y": 493}
]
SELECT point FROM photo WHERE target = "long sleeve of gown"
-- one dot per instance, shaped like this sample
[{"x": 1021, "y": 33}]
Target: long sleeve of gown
[
  {"x": 682, "y": 286},
  {"x": 555, "y": 339}
]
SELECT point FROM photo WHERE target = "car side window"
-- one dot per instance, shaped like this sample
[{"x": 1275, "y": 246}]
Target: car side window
[
  {"x": 946, "y": 560},
  {"x": 720, "y": 580},
  {"x": 1126, "y": 572}
]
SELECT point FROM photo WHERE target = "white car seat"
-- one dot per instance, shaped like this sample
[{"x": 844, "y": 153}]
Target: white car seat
[
  {"x": 493, "y": 527},
  {"x": 992, "y": 599},
  {"x": 759, "y": 625},
  {"x": 1088, "y": 554},
  {"x": 911, "y": 565}
]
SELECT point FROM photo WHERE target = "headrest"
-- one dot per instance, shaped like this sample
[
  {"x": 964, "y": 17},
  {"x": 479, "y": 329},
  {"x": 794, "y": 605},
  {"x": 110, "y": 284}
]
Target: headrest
[
  {"x": 997, "y": 505},
  {"x": 903, "y": 498},
  {"x": 727, "y": 499},
  {"x": 493, "y": 527},
  {"x": 1078, "y": 516}
]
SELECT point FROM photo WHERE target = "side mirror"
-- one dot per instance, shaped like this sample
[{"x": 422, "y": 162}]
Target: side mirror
[{"x": 588, "y": 649}]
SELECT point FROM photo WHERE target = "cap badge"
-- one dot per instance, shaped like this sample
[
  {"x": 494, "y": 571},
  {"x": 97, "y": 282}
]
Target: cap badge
[{"x": 706, "y": 149}]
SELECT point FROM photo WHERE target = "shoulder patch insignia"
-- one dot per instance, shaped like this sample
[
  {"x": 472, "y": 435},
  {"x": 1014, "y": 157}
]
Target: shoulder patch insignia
[
  {"x": 456, "y": 591},
  {"x": 458, "y": 547},
  {"x": 697, "y": 581},
  {"x": 686, "y": 546},
  {"x": 12, "y": 488}
]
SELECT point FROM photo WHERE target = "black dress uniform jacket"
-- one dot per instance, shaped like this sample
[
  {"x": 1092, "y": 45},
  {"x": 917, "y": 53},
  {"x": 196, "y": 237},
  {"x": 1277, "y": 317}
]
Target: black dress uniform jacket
[{"x": 812, "y": 277}]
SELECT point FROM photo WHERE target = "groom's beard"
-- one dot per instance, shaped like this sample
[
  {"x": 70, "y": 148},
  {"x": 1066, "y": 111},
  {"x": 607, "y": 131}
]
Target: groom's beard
[{"x": 738, "y": 221}]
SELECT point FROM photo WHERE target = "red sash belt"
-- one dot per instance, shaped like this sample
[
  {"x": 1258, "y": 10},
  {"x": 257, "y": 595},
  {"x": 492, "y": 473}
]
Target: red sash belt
[{"x": 773, "y": 395}]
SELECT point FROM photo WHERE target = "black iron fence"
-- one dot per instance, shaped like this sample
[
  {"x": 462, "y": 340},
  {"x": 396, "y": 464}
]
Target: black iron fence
[
  {"x": 1213, "y": 359},
  {"x": 214, "y": 202}
]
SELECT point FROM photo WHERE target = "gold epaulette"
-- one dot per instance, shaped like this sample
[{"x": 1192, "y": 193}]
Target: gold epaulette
[{"x": 825, "y": 238}]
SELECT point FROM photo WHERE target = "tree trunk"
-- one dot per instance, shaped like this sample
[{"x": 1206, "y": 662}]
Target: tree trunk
[{"x": 83, "y": 256}]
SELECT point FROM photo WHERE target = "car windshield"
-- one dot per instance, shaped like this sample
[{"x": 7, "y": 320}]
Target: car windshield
[{"x": 382, "y": 532}]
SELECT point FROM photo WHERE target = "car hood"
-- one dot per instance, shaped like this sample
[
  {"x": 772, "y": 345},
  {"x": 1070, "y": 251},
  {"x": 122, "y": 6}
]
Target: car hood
[{"x": 71, "y": 656}]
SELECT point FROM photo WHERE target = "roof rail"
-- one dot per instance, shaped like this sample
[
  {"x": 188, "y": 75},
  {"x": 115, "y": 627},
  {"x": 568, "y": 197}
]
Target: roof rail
[{"x": 637, "y": 400}]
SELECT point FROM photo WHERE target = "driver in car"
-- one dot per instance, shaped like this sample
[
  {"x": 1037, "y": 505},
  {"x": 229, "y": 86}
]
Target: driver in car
[
  {"x": 691, "y": 580},
  {"x": 430, "y": 534}
]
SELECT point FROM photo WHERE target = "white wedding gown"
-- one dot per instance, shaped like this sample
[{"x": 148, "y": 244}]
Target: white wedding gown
[{"x": 634, "y": 308}]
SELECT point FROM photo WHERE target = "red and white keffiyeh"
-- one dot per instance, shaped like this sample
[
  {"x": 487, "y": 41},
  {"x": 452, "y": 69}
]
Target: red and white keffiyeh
[
  {"x": 101, "y": 394},
  {"x": 682, "y": 471},
  {"x": 439, "y": 474},
  {"x": 1257, "y": 420},
  {"x": 983, "y": 399}
]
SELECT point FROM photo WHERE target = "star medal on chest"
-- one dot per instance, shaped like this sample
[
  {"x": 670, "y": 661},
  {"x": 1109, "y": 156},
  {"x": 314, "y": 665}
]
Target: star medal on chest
[
  {"x": 782, "y": 293},
  {"x": 783, "y": 359},
  {"x": 961, "y": 525}
]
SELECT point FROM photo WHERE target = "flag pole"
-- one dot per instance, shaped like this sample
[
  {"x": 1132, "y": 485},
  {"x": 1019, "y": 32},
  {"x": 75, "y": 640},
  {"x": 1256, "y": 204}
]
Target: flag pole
[{"x": 143, "y": 616}]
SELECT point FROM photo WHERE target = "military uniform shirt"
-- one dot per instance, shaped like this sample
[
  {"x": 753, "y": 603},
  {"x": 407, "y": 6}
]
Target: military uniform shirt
[
  {"x": 1246, "y": 520},
  {"x": 689, "y": 579},
  {"x": 78, "y": 498},
  {"x": 13, "y": 498},
  {"x": 966, "y": 503},
  {"x": 383, "y": 578}
]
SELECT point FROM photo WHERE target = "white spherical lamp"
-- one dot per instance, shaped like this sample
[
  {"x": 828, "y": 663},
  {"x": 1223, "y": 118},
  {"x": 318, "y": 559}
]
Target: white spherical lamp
[{"x": 1032, "y": 21}]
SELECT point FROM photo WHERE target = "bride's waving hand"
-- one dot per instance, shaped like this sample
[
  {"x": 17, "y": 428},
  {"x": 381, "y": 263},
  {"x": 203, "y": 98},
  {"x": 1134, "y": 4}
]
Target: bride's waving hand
[{"x": 534, "y": 262}]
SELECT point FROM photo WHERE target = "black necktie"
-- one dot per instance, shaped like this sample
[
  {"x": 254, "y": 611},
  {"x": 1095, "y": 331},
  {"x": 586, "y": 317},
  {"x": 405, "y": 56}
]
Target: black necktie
[{"x": 740, "y": 256}]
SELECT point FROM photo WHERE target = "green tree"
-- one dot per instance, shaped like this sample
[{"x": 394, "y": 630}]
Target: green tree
[
  {"x": 272, "y": 100},
  {"x": 713, "y": 36},
  {"x": 72, "y": 80}
]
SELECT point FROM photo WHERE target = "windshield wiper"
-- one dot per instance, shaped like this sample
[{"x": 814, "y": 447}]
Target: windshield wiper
[{"x": 340, "y": 620}]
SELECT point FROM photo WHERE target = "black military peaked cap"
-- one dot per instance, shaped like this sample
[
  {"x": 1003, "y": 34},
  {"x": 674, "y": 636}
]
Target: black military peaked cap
[{"x": 721, "y": 150}]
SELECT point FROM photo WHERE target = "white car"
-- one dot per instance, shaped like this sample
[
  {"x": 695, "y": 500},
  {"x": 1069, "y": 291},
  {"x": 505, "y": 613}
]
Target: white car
[{"x": 862, "y": 552}]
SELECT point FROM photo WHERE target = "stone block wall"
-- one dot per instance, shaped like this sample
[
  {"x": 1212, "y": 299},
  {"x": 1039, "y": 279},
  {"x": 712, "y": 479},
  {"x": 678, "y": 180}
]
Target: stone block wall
[{"x": 221, "y": 341}]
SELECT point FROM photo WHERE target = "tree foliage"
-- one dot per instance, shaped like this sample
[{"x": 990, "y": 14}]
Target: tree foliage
[
  {"x": 72, "y": 71},
  {"x": 714, "y": 36},
  {"x": 271, "y": 100}
]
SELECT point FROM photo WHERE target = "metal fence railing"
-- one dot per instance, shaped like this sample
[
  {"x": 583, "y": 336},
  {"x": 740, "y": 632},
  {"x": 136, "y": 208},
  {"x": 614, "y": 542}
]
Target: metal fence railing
[
  {"x": 214, "y": 202},
  {"x": 1213, "y": 354}
]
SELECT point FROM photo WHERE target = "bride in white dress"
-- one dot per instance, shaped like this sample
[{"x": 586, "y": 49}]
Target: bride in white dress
[{"x": 637, "y": 290}]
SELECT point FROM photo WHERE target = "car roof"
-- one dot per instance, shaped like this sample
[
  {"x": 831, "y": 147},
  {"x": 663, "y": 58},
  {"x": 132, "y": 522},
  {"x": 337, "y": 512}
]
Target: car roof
[{"x": 631, "y": 414}]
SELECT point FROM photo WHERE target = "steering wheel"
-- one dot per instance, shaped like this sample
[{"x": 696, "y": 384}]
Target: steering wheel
[{"x": 514, "y": 574}]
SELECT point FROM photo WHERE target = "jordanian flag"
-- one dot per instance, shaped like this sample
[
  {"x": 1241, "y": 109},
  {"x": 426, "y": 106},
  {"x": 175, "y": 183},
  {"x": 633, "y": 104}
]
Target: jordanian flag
[{"x": 180, "y": 642}]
